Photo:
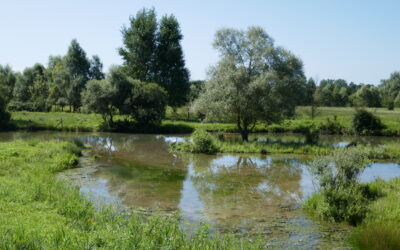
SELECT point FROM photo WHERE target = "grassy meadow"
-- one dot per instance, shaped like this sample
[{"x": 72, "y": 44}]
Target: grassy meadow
[
  {"x": 179, "y": 122},
  {"x": 41, "y": 212}
]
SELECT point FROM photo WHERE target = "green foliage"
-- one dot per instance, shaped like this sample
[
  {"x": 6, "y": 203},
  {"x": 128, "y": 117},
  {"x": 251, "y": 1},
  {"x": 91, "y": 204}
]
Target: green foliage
[
  {"x": 98, "y": 98},
  {"x": 341, "y": 196},
  {"x": 203, "y": 142},
  {"x": 4, "y": 115},
  {"x": 200, "y": 142},
  {"x": 332, "y": 126},
  {"x": 77, "y": 67},
  {"x": 96, "y": 68},
  {"x": 7, "y": 82},
  {"x": 253, "y": 81},
  {"x": 147, "y": 104},
  {"x": 311, "y": 134},
  {"x": 139, "y": 48},
  {"x": 41, "y": 212},
  {"x": 390, "y": 89},
  {"x": 152, "y": 52},
  {"x": 172, "y": 74},
  {"x": 334, "y": 93},
  {"x": 31, "y": 90},
  {"x": 367, "y": 96},
  {"x": 366, "y": 123},
  {"x": 380, "y": 228}
]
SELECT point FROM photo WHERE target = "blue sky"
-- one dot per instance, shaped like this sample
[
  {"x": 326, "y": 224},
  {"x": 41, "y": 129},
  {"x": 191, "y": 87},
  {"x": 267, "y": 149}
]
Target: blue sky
[{"x": 357, "y": 40}]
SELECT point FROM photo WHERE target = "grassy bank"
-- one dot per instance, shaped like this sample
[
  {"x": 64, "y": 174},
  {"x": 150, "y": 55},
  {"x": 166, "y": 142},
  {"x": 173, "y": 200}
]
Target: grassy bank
[
  {"x": 330, "y": 120},
  {"x": 372, "y": 208},
  {"x": 204, "y": 142},
  {"x": 380, "y": 228},
  {"x": 40, "y": 212}
]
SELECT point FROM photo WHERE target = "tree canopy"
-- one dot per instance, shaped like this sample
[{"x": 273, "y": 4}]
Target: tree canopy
[
  {"x": 152, "y": 53},
  {"x": 253, "y": 81}
]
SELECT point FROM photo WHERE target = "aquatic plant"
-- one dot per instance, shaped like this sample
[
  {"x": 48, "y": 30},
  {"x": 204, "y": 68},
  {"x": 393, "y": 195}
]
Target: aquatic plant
[{"x": 341, "y": 197}]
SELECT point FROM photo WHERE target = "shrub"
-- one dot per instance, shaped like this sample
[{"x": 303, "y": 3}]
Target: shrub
[
  {"x": 366, "y": 123},
  {"x": 220, "y": 136},
  {"x": 148, "y": 103},
  {"x": 332, "y": 126},
  {"x": 342, "y": 198},
  {"x": 311, "y": 134},
  {"x": 203, "y": 142}
]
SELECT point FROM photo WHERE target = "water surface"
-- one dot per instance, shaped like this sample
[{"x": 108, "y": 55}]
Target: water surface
[{"x": 245, "y": 194}]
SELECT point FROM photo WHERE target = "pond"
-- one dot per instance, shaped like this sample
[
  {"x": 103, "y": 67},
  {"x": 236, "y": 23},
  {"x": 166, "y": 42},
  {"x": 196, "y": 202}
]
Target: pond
[{"x": 244, "y": 194}]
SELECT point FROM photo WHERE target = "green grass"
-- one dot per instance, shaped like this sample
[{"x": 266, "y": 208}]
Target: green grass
[
  {"x": 389, "y": 151},
  {"x": 179, "y": 122},
  {"x": 38, "y": 211},
  {"x": 380, "y": 228}
]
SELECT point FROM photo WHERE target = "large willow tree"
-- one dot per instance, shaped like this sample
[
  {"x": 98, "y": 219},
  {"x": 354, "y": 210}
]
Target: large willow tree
[{"x": 253, "y": 81}]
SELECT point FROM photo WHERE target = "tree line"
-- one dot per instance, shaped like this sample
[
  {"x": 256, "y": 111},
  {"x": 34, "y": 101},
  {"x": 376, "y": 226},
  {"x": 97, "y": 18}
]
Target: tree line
[
  {"x": 153, "y": 75},
  {"x": 254, "y": 81},
  {"x": 339, "y": 93}
]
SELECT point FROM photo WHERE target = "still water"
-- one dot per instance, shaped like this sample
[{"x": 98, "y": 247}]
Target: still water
[{"x": 245, "y": 194}]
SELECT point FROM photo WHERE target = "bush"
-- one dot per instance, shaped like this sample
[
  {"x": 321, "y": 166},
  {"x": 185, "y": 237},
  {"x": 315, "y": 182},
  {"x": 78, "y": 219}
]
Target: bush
[
  {"x": 203, "y": 142},
  {"x": 332, "y": 126},
  {"x": 341, "y": 196},
  {"x": 311, "y": 134},
  {"x": 148, "y": 103},
  {"x": 366, "y": 123}
]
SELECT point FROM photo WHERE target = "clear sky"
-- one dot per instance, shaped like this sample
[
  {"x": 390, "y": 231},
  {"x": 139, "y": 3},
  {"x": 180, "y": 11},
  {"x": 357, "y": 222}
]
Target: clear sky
[{"x": 357, "y": 40}]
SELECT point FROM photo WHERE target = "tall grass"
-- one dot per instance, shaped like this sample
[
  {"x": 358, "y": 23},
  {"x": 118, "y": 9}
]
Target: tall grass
[
  {"x": 38, "y": 211},
  {"x": 380, "y": 229}
]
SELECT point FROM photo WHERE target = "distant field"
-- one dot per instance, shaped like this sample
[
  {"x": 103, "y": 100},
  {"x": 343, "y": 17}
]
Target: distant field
[
  {"x": 345, "y": 114},
  {"x": 183, "y": 122}
]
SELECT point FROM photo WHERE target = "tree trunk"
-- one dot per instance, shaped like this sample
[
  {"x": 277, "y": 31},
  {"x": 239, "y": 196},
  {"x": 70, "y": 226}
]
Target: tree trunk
[{"x": 245, "y": 134}]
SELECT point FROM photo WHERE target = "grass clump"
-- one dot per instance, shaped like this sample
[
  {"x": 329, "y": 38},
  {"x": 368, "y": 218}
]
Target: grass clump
[
  {"x": 200, "y": 142},
  {"x": 38, "y": 211},
  {"x": 380, "y": 227}
]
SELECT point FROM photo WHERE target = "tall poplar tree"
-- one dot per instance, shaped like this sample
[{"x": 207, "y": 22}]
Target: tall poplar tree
[
  {"x": 140, "y": 45},
  {"x": 171, "y": 71},
  {"x": 152, "y": 53},
  {"x": 77, "y": 66}
]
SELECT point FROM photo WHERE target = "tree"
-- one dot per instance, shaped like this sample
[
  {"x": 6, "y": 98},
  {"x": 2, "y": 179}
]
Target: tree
[
  {"x": 140, "y": 45},
  {"x": 96, "y": 68},
  {"x": 390, "y": 89},
  {"x": 254, "y": 80},
  {"x": 4, "y": 115},
  {"x": 7, "y": 82},
  {"x": 97, "y": 97},
  {"x": 122, "y": 85},
  {"x": 77, "y": 66},
  {"x": 367, "y": 96},
  {"x": 148, "y": 102},
  {"x": 30, "y": 91},
  {"x": 152, "y": 53},
  {"x": 311, "y": 86},
  {"x": 172, "y": 74}
]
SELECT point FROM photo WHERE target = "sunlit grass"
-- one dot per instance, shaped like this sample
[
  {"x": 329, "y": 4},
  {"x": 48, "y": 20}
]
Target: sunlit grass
[{"x": 38, "y": 211}]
